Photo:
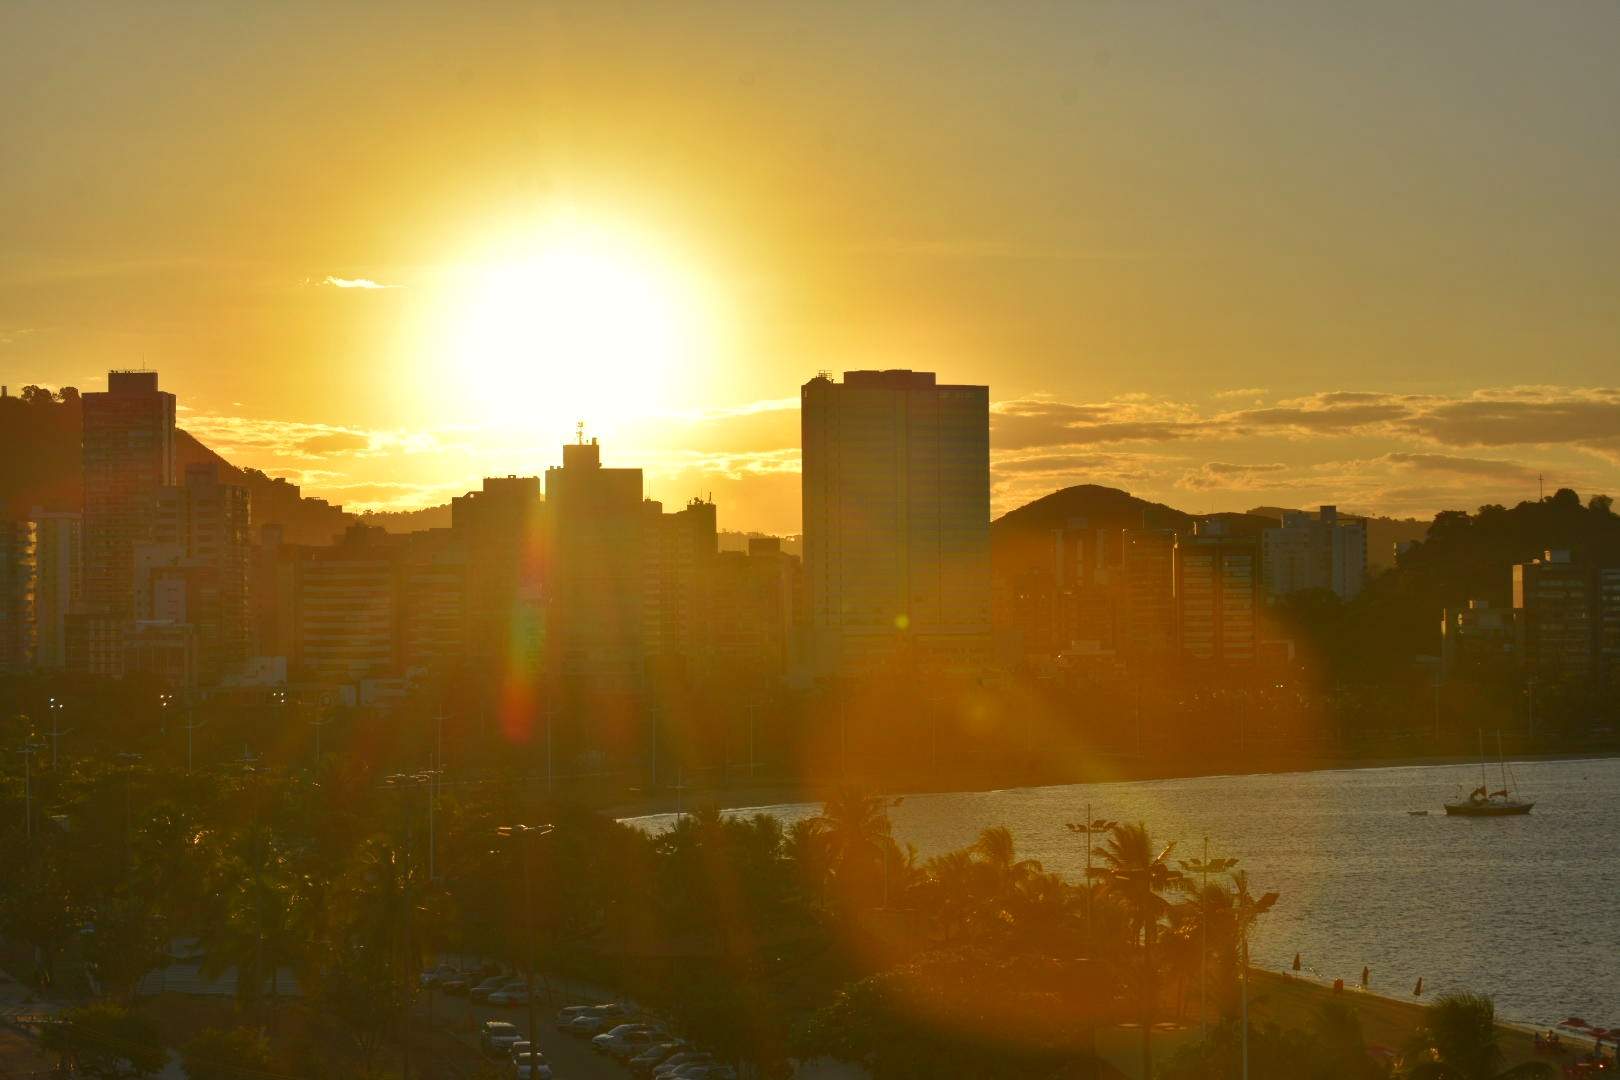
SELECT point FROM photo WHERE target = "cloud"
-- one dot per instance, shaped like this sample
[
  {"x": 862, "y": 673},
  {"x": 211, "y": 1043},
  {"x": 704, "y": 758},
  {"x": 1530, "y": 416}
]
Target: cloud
[
  {"x": 354, "y": 283},
  {"x": 1241, "y": 394},
  {"x": 1522, "y": 416},
  {"x": 1019, "y": 423},
  {"x": 338, "y": 442},
  {"x": 1214, "y": 475},
  {"x": 1460, "y": 466}
]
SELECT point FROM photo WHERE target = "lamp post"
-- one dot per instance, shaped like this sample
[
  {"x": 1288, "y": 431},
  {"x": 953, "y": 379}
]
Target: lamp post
[
  {"x": 29, "y": 748},
  {"x": 128, "y": 760},
  {"x": 885, "y": 853},
  {"x": 1087, "y": 829},
  {"x": 54, "y": 707},
  {"x": 525, "y": 835},
  {"x": 425, "y": 779},
  {"x": 1204, "y": 867}
]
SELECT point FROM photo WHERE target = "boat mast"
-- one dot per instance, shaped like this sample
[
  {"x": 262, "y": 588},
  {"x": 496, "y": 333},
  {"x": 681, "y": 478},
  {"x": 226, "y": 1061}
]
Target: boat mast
[{"x": 1502, "y": 760}]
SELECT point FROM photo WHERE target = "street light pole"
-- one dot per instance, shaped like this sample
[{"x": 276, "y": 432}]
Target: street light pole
[
  {"x": 525, "y": 835},
  {"x": 54, "y": 707},
  {"x": 1204, "y": 867},
  {"x": 30, "y": 747}
]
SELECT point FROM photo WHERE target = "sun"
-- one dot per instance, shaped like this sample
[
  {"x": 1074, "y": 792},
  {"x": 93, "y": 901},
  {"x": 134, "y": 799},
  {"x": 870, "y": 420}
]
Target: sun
[{"x": 574, "y": 322}]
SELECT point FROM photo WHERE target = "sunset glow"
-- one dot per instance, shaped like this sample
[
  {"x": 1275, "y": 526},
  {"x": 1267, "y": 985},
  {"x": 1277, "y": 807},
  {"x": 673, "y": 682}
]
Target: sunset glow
[{"x": 573, "y": 321}]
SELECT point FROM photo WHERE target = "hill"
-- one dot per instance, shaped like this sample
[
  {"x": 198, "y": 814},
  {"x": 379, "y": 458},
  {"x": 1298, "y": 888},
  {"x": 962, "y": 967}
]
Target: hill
[
  {"x": 41, "y": 464},
  {"x": 1021, "y": 539}
]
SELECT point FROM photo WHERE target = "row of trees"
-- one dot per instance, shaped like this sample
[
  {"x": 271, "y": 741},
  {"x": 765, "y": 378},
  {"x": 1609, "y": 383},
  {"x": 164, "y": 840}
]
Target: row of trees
[{"x": 760, "y": 939}]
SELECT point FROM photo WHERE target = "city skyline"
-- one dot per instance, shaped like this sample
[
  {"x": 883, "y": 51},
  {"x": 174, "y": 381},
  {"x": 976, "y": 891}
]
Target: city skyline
[{"x": 333, "y": 236}]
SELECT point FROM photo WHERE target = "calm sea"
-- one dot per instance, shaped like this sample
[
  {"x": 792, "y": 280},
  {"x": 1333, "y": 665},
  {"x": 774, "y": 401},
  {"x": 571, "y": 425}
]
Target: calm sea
[{"x": 1526, "y": 909}]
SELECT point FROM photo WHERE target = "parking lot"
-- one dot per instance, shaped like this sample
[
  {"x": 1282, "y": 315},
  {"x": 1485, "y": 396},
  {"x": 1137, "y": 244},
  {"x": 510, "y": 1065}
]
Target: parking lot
[{"x": 570, "y": 1058}]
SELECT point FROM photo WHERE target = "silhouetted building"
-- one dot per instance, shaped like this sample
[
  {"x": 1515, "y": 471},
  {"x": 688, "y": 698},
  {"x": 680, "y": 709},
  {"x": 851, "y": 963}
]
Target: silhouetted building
[
  {"x": 1556, "y": 601},
  {"x": 501, "y": 530},
  {"x": 128, "y": 455},
  {"x": 162, "y": 648},
  {"x": 433, "y": 602},
  {"x": 1477, "y": 640},
  {"x": 58, "y": 550},
  {"x": 1324, "y": 552},
  {"x": 1608, "y": 627},
  {"x": 680, "y": 552},
  {"x": 1147, "y": 599},
  {"x": 195, "y": 570},
  {"x": 596, "y": 612},
  {"x": 348, "y": 609},
  {"x": 755, "y": 602},
  {"x": 94, "y": 643},
  {"x": 1216, "y": 584},
  {"x": 17, "y": 595},
  {"x": 896, "y": 493}
]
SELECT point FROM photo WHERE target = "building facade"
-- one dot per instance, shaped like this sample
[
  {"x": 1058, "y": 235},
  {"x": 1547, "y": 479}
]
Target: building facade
[
  {"x": 58, "y": 551},
  {"x": 595, "y": 634},
  {"x": 1555, "y": 600},
  {"x": 1217, "y": 587},
  {"x": 896, "y": 503},
  {"x": 1322, "y": 552},
  {"x": 128, "y": 456},
  {"x": 18, "y": 592}
]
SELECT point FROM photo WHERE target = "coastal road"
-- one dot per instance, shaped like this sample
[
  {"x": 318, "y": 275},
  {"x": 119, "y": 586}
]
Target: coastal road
[{"x": 569, "y": 1058}]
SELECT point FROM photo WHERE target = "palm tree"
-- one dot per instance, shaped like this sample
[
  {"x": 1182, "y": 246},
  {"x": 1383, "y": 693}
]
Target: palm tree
[
  {"x": 255, "y": 923},
  {"x": 1136, "y": 871},
  {"x": 1246, "y": 910},
  {"x": 1459, "y": 1041},
  {"x": 854, "y": 827}
]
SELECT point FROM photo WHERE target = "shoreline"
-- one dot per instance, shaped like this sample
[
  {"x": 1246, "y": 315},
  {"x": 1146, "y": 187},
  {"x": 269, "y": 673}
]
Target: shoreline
[
  {"x": 739, "y": 798},
  {"x": 1287, "y": 996}
]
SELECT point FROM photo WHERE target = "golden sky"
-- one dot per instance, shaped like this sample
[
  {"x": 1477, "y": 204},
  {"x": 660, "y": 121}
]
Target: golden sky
[{"x": 1216, "y": 254}]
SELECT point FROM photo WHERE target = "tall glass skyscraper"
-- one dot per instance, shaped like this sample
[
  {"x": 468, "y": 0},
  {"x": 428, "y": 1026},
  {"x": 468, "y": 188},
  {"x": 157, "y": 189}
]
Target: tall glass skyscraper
[{"x": 896, "y": 485}]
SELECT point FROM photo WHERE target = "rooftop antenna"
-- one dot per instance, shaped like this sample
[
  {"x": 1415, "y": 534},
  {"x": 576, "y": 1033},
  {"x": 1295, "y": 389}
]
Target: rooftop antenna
[
  {"x": 579, "y": 431},
  {"x": 1541, "y": 489}
]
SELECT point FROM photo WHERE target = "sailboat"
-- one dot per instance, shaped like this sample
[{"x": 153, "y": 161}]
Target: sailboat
[{"x": 1482, "y": 801}]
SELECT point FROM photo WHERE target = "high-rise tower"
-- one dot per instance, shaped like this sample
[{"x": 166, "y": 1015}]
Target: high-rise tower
[
  {"x": 896, "y": 484},
  {"x": 128, "y": 456}
]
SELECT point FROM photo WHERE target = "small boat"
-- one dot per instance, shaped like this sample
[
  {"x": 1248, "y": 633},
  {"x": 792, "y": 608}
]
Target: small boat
[
  {"x": 1417, "y": 813},
  {"x": 1482, "y": 801}
]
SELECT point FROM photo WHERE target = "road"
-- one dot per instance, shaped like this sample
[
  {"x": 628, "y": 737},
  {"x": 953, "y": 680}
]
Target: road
[{"x": 570, "y": 1058}]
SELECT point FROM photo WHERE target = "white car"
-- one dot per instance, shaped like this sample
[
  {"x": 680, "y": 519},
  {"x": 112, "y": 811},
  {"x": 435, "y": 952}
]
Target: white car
[
  {"x": 627, "y": 1040},
  {"x": 596, "y": 1021},
  {"x": 567, "y": 1015},
  {"x": 497, "y": 1036},
  {"x": 512, "y": 995},
  {"x": 683, "y": 1060},
  {"x": 523, "y": 1061}
]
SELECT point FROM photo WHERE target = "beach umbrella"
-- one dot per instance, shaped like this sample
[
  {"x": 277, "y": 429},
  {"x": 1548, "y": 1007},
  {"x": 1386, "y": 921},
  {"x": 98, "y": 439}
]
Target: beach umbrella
[{"x": 1574, "y": 1022}]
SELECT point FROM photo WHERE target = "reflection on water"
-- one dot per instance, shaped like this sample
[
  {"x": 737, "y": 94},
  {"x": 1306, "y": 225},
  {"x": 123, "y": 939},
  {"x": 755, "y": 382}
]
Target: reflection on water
[{"x": 1526, "y": 909}]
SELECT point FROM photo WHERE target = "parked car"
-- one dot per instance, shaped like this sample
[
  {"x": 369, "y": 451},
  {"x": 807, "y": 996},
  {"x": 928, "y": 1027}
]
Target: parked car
[
  {"x": 495, "y": 1037},
  {"x": 596, "y": 1021},
  {"x": 682, "y": 1060},
  {"x": 522, "y": 1061},
  {"x": 627, "y": 1040},
  {"x": 646, "y": 1061},
  {"x": 521, "y": 1070},
  {"x": 482, "y": 991},
  {"x": 455, "y": 986},
  {"x": 511, "y": 995},
  {"x": 709, "y": 1071},
  {"x": 568, "y": 1014},
  {"x": 433, "y": 976}
]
